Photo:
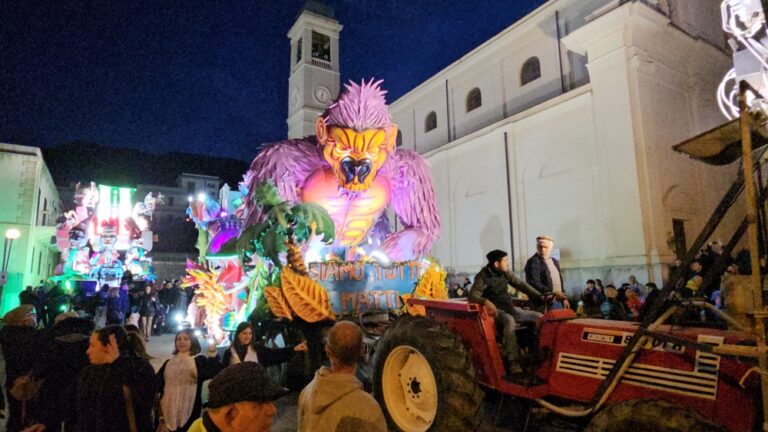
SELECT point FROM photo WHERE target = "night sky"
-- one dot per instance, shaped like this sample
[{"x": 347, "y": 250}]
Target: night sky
[{"x": 207, "y": 77}]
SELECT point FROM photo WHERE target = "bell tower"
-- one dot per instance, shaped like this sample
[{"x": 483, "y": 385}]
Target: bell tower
[{"x": 314, "y": 81}]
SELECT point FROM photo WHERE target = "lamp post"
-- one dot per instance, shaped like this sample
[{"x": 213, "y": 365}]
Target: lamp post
[{"x": 10, "y": 235}]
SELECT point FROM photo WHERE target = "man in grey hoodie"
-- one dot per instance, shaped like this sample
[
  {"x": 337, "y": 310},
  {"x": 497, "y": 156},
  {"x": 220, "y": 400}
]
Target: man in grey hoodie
[{"x": 334, "y": 401}]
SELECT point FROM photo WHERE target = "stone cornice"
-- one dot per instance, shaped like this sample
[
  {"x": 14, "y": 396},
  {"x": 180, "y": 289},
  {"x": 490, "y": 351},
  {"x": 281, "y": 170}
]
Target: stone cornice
[{"x": 316, "y": 22}]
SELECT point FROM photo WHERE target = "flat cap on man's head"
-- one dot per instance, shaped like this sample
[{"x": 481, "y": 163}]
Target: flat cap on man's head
[
  {"x": 545, "y": 237},
  {"x": 495, "y": 255},
  {"x": 243, "y": 382}
]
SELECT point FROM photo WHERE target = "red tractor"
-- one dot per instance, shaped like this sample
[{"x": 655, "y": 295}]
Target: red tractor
[{"x": 620, "y": 376}]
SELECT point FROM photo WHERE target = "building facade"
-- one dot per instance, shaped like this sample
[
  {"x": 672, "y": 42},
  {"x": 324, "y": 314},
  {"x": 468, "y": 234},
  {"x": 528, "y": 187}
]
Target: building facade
[
  {"x": 563, "y": 124},
  {"x": 30, "y": 204}
]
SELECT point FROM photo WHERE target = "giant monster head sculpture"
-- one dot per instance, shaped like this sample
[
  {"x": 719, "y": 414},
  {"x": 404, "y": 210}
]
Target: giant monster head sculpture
[{"x": 357, "y": 134}]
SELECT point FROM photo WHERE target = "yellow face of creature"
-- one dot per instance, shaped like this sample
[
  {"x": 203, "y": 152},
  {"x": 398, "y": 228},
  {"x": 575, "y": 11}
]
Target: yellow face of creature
[{"x": 355, "y": 156}]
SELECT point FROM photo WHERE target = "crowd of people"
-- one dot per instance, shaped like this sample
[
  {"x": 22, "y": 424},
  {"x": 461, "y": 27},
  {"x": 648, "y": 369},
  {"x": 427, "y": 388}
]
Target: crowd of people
[
  {"x": 48, "y": 300},
  {"x": 147, "y": 306},
  {"x": 90, "y": 371},
  {"x": 703, "y": 279},
  {"x": 630, "y": 302},
  {"x": 75, "y": 376}
]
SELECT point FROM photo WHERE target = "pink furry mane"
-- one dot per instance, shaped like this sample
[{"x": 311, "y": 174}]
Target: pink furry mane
[{"x": 360, "y": 107}]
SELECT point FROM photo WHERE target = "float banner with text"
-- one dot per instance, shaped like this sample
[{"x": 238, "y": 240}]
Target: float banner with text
[{"x": 359, "y": 287}]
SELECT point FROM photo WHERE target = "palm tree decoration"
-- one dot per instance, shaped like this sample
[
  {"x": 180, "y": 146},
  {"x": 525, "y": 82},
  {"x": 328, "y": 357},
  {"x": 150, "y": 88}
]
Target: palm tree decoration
[{"x": 284, "y": 227}]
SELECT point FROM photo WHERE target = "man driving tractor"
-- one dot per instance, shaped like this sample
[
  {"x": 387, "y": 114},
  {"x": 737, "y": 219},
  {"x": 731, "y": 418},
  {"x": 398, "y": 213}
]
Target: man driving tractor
[{"x": 490, "y": 289}]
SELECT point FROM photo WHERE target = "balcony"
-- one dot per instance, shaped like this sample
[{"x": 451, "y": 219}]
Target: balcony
[{"x": 321, "y": 63}]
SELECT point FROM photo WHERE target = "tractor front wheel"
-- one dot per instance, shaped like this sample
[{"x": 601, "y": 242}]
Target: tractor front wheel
[
  {"x": 424, "y": 378},
  {"x": 651, "y": 415}
]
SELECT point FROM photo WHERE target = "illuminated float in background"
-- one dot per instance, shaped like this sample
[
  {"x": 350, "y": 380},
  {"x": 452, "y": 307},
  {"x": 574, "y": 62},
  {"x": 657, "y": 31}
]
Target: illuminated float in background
[
  {"x": 313, "y": 232},
  {"x": 105, "y": 235}
]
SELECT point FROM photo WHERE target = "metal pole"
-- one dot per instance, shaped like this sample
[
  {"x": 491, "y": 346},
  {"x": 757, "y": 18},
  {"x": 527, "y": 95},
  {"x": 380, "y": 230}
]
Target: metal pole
[
  {"x": 8, "y": 259},
  {"x": 509, "y": 204},
  {"x": 757, "y": 291},
  {"x": 559, "y": 51},
  {"x": 5, "y": 258}
]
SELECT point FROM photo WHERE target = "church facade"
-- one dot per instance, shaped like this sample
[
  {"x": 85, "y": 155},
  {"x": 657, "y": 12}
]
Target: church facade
[{"x": 563, "y": 124}]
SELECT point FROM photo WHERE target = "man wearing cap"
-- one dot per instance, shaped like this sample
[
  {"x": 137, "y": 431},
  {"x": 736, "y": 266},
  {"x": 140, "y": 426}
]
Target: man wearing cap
[
  {"x": 543, "y": 272},
  {"x": 335, "y": 400},
  {"x": 240, "y": 399},
  {"x": 490, "y": 289}
]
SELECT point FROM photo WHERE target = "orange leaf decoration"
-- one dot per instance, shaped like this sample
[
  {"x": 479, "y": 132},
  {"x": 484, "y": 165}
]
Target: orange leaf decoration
[
  {"x": 307, "y": 298},
  {"x": 277, "y": 303},
  {"x": 415, "y": 310}
]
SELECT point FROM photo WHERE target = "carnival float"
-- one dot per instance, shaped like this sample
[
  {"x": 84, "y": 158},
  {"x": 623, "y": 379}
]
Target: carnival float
[
  {"x": 310, "y": 235},
  {"x": 105, "y": 235}
]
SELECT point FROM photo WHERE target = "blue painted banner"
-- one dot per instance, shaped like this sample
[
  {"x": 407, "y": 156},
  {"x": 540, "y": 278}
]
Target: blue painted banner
[{"x": 358, "y": 287}]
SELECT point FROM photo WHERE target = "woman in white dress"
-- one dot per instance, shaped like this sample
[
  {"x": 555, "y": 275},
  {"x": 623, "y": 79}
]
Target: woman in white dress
[
  {"x": 181, "y": 382},
  {"x": 243, "y": 349}
]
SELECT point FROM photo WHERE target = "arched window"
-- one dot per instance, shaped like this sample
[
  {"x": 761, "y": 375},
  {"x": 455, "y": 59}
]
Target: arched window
[
  {"x": 430, "y": 122},
  {"x": 399, "y": 139},
  {"x": 530, "y": 71},
  {"x": 474, "y": 99}
]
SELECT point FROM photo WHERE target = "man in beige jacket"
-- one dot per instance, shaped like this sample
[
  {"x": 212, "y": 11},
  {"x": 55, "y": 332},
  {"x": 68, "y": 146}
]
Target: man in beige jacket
[{"x": 334, "y": 401}]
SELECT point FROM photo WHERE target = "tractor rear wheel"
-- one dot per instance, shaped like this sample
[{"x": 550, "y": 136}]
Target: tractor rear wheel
[
  {"x": 424, "y": 378},
  {"x": 649, "y": 414}
]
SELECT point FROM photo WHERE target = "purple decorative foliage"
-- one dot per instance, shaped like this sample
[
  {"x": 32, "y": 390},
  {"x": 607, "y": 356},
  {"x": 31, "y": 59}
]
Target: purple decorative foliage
[
  {"x": 288, "y": 164},
  {"x": 223, "y": 236},
  {"x": 414, "y": 203},
  {"x": 360, "y": 107}
]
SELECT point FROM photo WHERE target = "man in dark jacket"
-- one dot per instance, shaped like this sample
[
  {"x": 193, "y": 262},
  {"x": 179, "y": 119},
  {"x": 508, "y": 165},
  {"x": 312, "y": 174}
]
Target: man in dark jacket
[
  {"x": 117, "y": 383},
  {"x": 543, "y": 272},
  {"x": 58, "y": 302},
  {"x": 650, "y": 299},
  {"x": 40, "y": 308},
  {"x": 62, "y": 359},
  {"x": 490, "y": 289},
  {"x": 612, "y": 308},
  {"x": 21, "y": 344},
  {"x": 28, "y": 296}
]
